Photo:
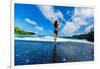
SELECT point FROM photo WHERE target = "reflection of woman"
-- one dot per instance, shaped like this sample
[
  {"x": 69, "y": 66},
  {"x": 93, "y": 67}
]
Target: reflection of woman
[{"x": 56, "y": 24}]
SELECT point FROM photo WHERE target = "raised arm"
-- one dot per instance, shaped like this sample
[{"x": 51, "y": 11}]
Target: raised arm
[
  {"x": 58, "y": 25},
  {"x": 52, "y": 19}
]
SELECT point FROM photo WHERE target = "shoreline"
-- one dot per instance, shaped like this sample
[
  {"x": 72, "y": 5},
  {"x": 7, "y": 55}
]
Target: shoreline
[{"x": 52, "y": 40}]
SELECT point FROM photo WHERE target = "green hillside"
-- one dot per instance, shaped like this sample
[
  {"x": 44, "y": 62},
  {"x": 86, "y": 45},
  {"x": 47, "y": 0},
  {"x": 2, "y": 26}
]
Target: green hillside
[{"x": 19, "y": 31}]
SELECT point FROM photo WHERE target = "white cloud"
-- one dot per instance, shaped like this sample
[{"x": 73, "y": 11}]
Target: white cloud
[
  {"x": 36, "y": 27},
  {"x": 78, "y": 20},
  {"x": 58, "y": 14},
  {"x": 68, "y": 12},
  {"x": 49, "y": 12},
  {"x": 81, "y": 14},
  {"x": 86, "y": 12},
  {"x": 30, "y": 21},
  {"x": 39, "y": 28},
  {"x": 69, "y": 29}
]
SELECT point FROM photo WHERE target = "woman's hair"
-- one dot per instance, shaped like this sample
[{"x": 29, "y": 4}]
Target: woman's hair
[
  {"x": 56, "y": 21},
  {"x": 55, "y": 24}
]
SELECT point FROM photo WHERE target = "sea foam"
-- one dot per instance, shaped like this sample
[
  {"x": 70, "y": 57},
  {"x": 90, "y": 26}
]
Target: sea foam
[{"x": 51, "y": 39}]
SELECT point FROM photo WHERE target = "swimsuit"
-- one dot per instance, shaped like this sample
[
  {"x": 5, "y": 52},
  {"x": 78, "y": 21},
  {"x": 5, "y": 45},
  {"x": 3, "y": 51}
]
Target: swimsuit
[{"x": 56, "y": 31}]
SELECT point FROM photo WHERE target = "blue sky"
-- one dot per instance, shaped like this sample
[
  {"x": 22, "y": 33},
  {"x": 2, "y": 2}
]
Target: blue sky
[{"x": 37, "y": 19}]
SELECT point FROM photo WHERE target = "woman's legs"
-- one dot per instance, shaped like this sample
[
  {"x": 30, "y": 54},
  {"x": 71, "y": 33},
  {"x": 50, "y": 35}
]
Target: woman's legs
[{"x": 55, "y": 35}]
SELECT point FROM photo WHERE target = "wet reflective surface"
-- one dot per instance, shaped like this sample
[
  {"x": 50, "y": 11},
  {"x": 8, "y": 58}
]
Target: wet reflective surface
[{"x": 39, "y": 52}]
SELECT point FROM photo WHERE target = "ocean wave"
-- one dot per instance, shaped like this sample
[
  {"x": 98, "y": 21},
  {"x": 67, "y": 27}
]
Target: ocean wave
[{"x": 51, "y": 39}]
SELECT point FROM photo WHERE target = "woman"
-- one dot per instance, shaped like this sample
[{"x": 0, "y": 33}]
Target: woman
[{"x": 56, "y": 25}]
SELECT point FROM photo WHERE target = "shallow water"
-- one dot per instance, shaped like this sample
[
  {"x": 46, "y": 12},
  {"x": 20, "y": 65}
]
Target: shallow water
[{"x": 39, "y": 52}]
